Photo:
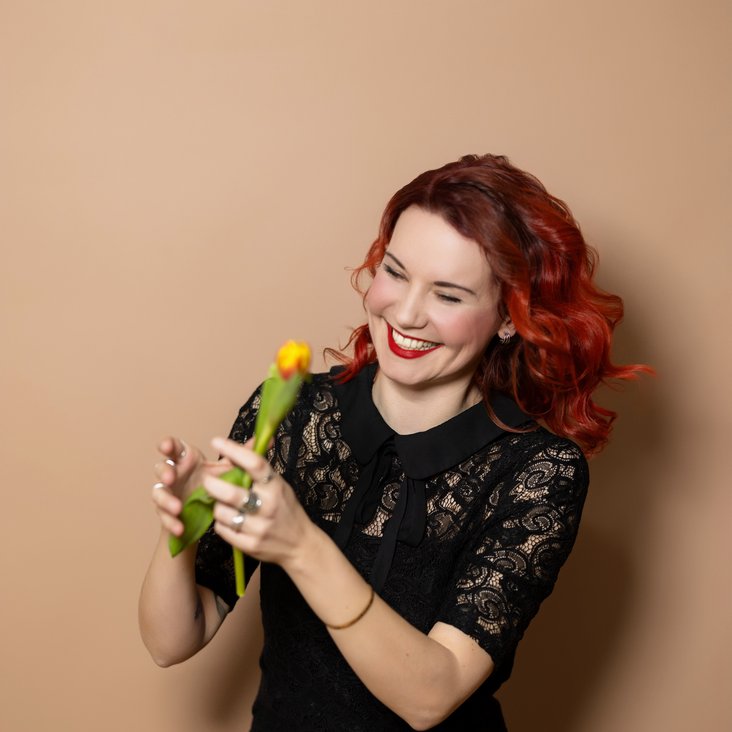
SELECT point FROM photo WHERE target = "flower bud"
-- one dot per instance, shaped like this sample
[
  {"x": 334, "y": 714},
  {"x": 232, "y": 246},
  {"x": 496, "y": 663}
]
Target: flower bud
[{"x": 292, "y": 358}]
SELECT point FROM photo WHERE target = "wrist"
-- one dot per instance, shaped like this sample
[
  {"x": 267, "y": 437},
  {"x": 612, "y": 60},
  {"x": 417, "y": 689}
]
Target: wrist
[
  {"x": 187, "y": 556},
  {"x": 301, "y": 563}
]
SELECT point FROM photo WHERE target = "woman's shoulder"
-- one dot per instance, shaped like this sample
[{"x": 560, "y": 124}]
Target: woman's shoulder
[
  {"x": 318, "y": 387},
  {"x": 324, "y": 389},
  {"x": 317, "y": 400},
  {"x": 542, "y": 462},
  {"x": 539, "y": 441}
]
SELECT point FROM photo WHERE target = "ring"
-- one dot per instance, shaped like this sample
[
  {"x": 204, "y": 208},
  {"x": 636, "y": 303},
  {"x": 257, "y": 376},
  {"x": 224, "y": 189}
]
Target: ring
[
  {"x": 251, "y": 504},
  {"x": 170, "y": 462},
  {"x": 157, "y": 486},
  {"x": 237, "y": 521},
  {"x": 266, "y": 478}
]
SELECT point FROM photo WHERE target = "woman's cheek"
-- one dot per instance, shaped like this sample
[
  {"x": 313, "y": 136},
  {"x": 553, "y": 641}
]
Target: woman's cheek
[
  {"x": 377, "y": 296},
  {"x": 473, "y": 330}
]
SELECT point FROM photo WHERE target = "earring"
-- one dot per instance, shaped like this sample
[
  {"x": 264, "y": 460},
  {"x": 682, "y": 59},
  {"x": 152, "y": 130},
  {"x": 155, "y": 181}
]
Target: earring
[{"x": 505, "y": 338}]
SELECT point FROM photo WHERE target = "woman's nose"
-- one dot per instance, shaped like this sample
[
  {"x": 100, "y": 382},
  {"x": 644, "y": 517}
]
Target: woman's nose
[{"x": 410, "y": 311}]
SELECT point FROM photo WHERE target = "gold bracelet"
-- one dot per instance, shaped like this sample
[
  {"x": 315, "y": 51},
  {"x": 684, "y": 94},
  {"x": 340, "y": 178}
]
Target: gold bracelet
[{"x": 357, "y": 618}]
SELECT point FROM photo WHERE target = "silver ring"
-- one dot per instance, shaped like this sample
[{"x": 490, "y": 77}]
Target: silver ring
[
  {"x": 237, "y": 521},
  {"x": 170, "y": 462},
  {"x": 157, "y": 486},
  {"x": 266, "y": 478},
  {"x": 251, "y": 504}
]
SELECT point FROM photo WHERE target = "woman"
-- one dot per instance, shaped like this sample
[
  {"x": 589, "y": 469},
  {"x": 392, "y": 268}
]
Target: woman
[{"x": 412, "y": 513}]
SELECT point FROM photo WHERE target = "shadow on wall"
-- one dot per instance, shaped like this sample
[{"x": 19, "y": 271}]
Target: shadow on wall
[
  {"x": 560, "y": 661},
  {"x": 568, "y": 648}
]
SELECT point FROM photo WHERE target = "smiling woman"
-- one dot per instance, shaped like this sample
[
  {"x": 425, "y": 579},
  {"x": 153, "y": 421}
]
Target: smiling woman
[
  {"x": 433, "y": 298},
  {"x": 414, "y": 510},
  {"x": 543, "y": 272}
]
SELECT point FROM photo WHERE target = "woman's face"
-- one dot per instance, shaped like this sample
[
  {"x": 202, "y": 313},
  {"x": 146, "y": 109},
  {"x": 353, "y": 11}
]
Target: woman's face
[{"x": 432, "y": 306}]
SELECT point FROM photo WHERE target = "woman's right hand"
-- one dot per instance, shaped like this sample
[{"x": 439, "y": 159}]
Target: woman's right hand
[
  {"x": 177, "y": 617},
  {"x": 179, "y": 473}
]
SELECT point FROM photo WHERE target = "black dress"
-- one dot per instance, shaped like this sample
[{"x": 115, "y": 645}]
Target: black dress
[{"x": 464, "y": 524}]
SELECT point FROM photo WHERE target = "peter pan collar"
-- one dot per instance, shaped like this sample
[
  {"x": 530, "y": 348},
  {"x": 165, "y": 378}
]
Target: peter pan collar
[{"x": 422, "y": 454}]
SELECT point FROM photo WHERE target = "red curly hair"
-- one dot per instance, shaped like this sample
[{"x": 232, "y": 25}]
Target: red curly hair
[{"x": 544, "y": 268}]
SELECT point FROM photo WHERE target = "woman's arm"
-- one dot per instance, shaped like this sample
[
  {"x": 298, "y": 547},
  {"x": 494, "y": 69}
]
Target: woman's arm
[
  {"x": 176, "y": 616},
  {"x": 422, "y": 678}
]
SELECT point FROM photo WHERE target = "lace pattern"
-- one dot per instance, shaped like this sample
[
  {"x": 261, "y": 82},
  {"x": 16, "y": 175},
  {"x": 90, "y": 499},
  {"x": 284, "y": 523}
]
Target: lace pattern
[{"x": 500, "y": 524}]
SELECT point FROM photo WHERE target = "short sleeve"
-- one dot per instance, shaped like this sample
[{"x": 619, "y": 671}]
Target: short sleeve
[
  {"x": 505, "y": 573},
  {"x": 214, "y": 557}
]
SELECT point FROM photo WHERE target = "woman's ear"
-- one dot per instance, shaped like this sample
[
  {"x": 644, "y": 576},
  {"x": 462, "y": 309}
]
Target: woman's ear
[{"x": 507, "y": 329}]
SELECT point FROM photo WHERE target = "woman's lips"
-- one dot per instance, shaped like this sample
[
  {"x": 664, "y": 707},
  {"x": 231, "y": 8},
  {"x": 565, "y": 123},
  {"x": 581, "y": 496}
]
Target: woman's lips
[{"x": 404, "y": 352}]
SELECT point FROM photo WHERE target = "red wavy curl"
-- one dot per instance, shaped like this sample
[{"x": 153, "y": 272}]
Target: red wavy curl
[{"x": 564, "y": 322}]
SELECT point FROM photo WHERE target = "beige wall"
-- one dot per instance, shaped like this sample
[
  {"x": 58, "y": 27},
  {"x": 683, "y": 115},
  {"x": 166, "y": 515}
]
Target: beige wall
[{"x": 168, "y": 168}]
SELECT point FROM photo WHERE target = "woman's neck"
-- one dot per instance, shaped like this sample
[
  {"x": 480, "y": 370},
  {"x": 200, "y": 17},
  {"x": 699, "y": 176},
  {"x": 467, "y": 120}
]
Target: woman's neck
[{"x": 416, "y": 409}]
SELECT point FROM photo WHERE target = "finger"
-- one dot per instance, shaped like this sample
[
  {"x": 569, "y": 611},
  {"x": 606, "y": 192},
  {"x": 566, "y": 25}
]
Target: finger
[
  {"x": 166, "y": 445},
  {"x": 168, "y": 508},
  {"x": 178, "y": 453},
  {"x": 241, "y": 455},
  {"x": 219, "y": 467},
  {"x": 171, "y": 524},
  {"x": 223, "y": 491},
  {"x": 173, "y": 448},
  {"x": 244, "y": 539},
  {"x": 225, "y": 512},
  {"x": 166, "y": 473},
  {"x": 237, "y": 539},
  {"x": 170, "y": 447},
  {"x": 165, "y": 501},
  {"x": 252, "y": 503}
]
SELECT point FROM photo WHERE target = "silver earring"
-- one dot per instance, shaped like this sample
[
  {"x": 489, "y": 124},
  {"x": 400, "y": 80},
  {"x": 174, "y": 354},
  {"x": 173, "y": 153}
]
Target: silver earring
[{"x": 505, "y": 338}]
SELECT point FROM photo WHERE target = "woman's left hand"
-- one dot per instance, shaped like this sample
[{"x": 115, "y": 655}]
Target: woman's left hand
[{"x": 274, "y": 523}]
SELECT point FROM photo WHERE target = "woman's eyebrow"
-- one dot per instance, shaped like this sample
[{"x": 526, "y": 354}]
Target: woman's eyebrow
[
  {"x": 440, "y": 283},
  {"x": 389, "y": 254}
]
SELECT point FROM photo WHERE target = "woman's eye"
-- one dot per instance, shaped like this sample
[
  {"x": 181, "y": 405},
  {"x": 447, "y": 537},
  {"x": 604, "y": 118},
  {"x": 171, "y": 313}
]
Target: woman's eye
[
  {"x": 448, "y": 298},
  {"x": 392, "y": 272}
]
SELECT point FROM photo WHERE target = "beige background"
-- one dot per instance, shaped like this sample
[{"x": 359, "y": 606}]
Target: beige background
[{"x": 182, "y": 186}]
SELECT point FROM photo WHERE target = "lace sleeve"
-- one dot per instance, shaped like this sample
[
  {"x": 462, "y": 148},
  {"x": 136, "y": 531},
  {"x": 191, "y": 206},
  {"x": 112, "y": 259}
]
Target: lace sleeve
[
  {"x": 511, "y": 567},
  {"x": 214, "y": 558}
]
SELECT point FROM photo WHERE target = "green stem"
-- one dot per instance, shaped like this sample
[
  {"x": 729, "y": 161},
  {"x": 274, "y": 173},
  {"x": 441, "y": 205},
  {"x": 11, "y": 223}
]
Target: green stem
[
  {"x": 260, "y": 447},
  {"x": 239, "y": 573}
]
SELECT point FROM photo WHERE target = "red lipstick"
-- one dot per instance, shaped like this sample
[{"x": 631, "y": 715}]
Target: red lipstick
[{"x": 401, "y": 352}]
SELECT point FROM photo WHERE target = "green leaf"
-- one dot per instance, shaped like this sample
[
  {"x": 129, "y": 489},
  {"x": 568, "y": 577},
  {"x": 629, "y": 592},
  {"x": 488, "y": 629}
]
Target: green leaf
[
  {"x": 278, "y": 398},
  {"x": 284, "y": 398},
  {"x": 196, "y": 515},
  {"x": 269, "y": 387}
]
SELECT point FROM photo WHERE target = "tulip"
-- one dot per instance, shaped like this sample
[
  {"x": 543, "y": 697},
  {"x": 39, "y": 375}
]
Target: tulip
[
  {"x": 293, "y": 358},
  {"x": 279, "y": 393}
]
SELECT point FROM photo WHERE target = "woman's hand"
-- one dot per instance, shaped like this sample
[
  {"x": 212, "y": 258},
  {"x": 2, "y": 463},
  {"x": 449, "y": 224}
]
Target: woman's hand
[
  {"x": 179, "y": 473},
  {"x": 177, "y": 617},
  {"x": 274, "y": 523}
]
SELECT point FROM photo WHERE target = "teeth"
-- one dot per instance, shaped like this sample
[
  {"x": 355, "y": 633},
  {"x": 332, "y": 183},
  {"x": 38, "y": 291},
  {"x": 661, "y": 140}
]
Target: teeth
[{"x": 410, "y": 343}]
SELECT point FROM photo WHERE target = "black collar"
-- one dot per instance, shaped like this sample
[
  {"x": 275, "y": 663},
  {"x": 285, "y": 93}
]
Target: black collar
[{"x": 422, "y": 454}]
